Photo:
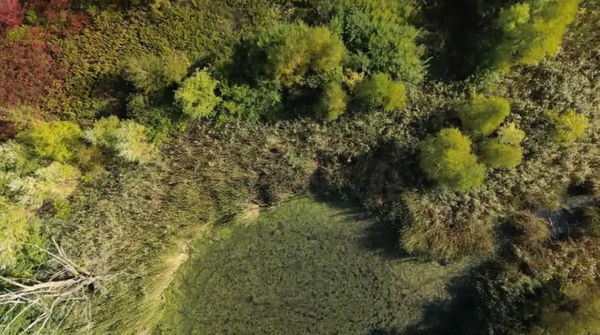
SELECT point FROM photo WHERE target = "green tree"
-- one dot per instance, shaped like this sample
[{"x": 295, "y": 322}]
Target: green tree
[
  {"x": 154, "y": 73},
  {"x": 447, "y": 158},
  {"x": 568, "y": 127},
  {"x": 57, "y": 140},
  {"x": 382, "y": 46},
  {"x": 332, "y": 103},
  {"x": 380, "y": 90},
  {"x": 197, "y": 95},
  {"x": 484, "y": 115},
  {"x": 531, "y": 31}
]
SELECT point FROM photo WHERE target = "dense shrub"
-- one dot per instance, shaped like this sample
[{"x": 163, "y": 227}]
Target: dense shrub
[
  {"x": 332, "y": 102},
  {"x": 531, "y": 31},
  {"x": 243, "y": 101},
  {"x": 56, "y": 140},
  {"x": 484, "y": 115},
  {"x": 498, "y": 155},
  {"x": 52, "y": 183},
  {"x": 15, "y": 222},
  {"x": 447, "y": 158},
  {"x": 380, "y": 91},
  {"x": 568, "y": 127},
  {"x": 196, "y": 96}
]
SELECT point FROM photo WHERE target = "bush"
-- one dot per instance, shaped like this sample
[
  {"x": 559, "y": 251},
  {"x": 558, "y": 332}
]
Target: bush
[
  {"x": 484, "y": 115},
  {"x": 379, "y": 90},
  {"x": 197, "y": 95},
  {"x": 56, "y": 140},
  {"x": 447, "y": 158},
  {"x": 568, "y": 127},
  {"x": 155, "y": 73},
  {"x": 531, "y": 31},
  {"x": 332, "y": 102}
]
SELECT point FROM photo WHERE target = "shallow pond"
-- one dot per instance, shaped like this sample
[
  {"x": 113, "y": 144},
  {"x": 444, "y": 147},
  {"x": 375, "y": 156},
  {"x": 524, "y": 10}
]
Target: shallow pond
[{"x": 305, "y": 268}]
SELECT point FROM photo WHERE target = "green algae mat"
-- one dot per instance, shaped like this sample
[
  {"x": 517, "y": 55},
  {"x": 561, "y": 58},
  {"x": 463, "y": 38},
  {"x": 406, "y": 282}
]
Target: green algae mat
[{"x": 306, "y": 267}]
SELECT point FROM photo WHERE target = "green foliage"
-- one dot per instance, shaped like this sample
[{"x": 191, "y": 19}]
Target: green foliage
[
  {"x": 505, "y": 150},
  {"x": 447, "y": 158},
  {"x": 242, "y": 101},
  {"x": 127, "y": 138},
  {"x": 294, "y": 48},
  {"x": 55, "y": 182},
  {"x": 154, "y": 73},
  {"x": 568, "y": 126},
  {"x": 15, "y": 222},
  {"x": 387, "y": 47},
  {"x": 498, "y": 155},
  {"x": 332, "y": 102},
  {"x": 380, "y": 90},
  {"x": 57, "y": 140},
  {"x": 531, "y": 31},
  {"x": 484, "y": 115},
  {"x": 196, "y": 96}
]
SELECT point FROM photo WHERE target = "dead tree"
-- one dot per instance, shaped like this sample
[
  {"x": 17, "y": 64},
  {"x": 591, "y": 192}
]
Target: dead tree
[{"x": 59, "y": 295}]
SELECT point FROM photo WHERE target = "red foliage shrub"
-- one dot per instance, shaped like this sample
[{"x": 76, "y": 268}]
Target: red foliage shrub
[
  {"x": 11, "y": 14},
  {"x": 27, "y": 72},
  {"x": 79, "y": 22}
]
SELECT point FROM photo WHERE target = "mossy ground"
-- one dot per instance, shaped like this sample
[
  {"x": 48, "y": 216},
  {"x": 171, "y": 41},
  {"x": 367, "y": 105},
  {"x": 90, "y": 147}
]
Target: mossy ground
[{"x": 307, "y": 267}]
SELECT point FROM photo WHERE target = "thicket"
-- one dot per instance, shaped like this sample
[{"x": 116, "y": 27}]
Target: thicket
[{"x": 252, "y": 102}]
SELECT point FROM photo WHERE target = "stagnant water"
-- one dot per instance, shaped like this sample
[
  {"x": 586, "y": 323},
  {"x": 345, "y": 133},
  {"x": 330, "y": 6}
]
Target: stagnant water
[{"x": 305, "y": 268}]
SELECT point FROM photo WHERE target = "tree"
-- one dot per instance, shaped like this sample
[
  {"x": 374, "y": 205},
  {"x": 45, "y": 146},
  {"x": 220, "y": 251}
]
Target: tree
[
  {"x": 294, "y": 48},
  {"x": 154, "y": 73},
  {"x": 197, "y": 95},
  {"x": 531, "y": 31},
  {"x": 380, "y": 90},
  {"x": 484, "y": 115},
  {"x": 56, "y": 140},
  {"x": 568, "y": 127},
  {"x": 447, "y": 158},
  {"x": 332, "y": 103}
]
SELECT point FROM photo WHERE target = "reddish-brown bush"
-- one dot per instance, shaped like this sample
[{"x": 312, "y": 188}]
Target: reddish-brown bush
[{"x": 11, "y": 14}]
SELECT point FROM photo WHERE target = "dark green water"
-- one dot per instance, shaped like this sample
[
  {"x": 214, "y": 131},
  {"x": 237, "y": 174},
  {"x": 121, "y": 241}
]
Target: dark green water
[{"x": 300, "y": 269}]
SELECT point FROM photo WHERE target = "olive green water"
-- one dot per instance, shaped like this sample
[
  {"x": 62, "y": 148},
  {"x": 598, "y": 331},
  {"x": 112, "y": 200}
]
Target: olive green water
[{"x": 304, "y": 268}]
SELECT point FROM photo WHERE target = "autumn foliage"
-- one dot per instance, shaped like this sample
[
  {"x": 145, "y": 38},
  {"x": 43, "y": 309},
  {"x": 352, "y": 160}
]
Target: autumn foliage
[{"x": 11, "y": 14}]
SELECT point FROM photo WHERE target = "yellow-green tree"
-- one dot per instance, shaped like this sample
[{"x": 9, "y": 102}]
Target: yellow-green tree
[
  {"x": 484, "y": 115},
  {"x": 447, "y": 158},
  {"x": 294, "y": 48},
  {"x": 505, "y": 150},
  {"x": 154, "y": 73},
  {"x": 532, "y": 30},
  {"x": 380, "y": 90},
  {"x": 56, "y": 140},
  {"x": 567, "y": 127},
  {"x": 332, "y": 103},
  {"x": 197, "y": 96}
]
